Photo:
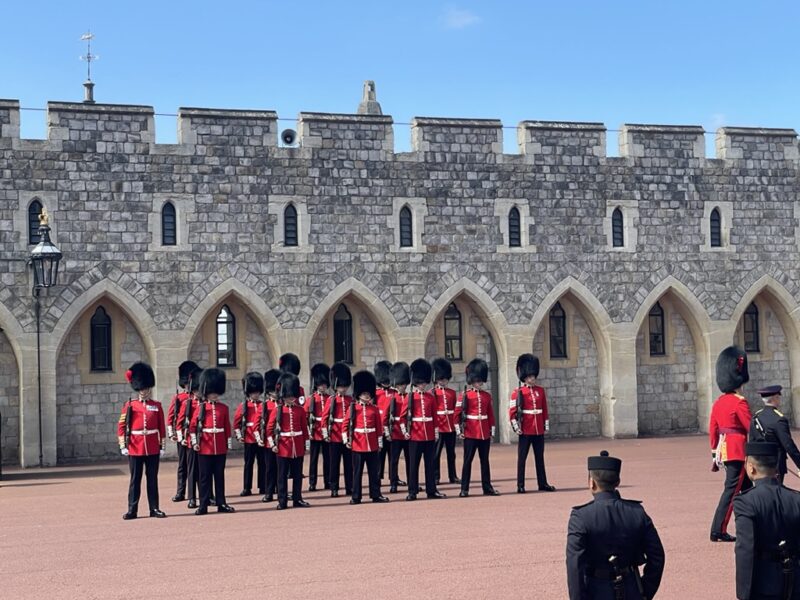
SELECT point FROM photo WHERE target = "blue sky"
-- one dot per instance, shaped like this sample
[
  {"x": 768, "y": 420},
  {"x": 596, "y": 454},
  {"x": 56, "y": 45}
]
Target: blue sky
[{"x": 705, "y": 62}]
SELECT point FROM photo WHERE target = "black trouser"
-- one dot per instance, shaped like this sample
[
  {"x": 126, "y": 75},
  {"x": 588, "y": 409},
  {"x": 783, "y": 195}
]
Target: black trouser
[
  {"x": 295, "y": 465},
  {"x": 140, "y": 465},
  {"x": 524, "y": 444},
  {"x": 371, "y": 459},
  {"x": 416, "y": 451},
  {"x": 212, "y": 469},
  {"x": 386, "y": 450},
  {"x": 735, "y": 481},
  {"x": 182, "y": 470},
  {"x": 271, "y": 468},
  {"x": 446, "y": 441},
  {"x": 337, "y": 452},
  {"x": 319, "y": 447},
  {"x": 482, "y": 446},
  {"x": 193, "y": 473},
  {"x": 253, "y": 453},
  {"x": 398, "y": 446}
]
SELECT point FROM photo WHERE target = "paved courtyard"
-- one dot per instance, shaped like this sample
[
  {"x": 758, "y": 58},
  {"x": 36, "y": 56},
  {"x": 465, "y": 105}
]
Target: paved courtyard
[{"x": 62, "y": 536}]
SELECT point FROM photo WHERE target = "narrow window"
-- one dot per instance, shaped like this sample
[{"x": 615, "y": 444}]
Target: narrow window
[
  {"x": 752, "y": 342},
  {"x": 558, "y": 332},
  {"x": 168, "y": 225},
  {"x": 290, "y": 226},
  {"x": 34, "y": 210},
  {"x": 343, "y": 336},
  {"x": 452, "y": 333},
  {"x": 100, "y": 340},
  {"x": 617, "y": 230},
  {"x": 716, "y": 229},
  {"x": 226, "y": 338},
  {"x": 406, "y": 230},
  {"x": 656, "y": 326},
  {"x": 514, "y": 228}
]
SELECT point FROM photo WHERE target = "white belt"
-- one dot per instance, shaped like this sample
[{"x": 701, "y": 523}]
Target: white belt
[
  {"x": 445, "y": 412},
  {"x": 249, "y": 424},
  {"x": 144, "y": 431},
  {"x": 364, "y": 430},
  {"x": 478, "y": 417},
  {"x": 534, "y": 411},
  {"x": 313, "y": 418},
  {"x": 338, "y": 420},
  {"x": 214, "y": 430},
  {"x": 423, "y": 419},
  {"x": 291, "y": 433}
]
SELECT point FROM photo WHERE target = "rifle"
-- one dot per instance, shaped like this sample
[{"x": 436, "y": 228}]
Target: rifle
[
  {"x": 262, "y": 422},
  {"x": 410, "y": 410},
  {"x": 128, "y": 418},
  {"x": 351, "y": 422},
  {"x": 619, "y": 582},
  {"x": 520, "y": 400},
  {"x": 201, "y": 415},
  {"x": 311, "y": 416},
  {"x": 464, "y": 411},
  {"x": 243, "y": 424},
  {"x": 788, "y": 564},
  {"x": 176, "y": 410}
]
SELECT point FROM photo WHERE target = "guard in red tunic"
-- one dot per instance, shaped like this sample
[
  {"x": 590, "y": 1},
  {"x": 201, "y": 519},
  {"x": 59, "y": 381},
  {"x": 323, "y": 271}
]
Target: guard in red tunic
[
  {"x": 210, "y": 433},
  {"x": 188, "y": 411},
  {"x": 269, "y": 406},
  {"x": 383, "y": 373},
  {"x": 476, "y": 426},
  {"x": 419, "y": 413},
  {"x": 727, "y": 431},
  {"x": 398, "y": 430},
  {"x": 290, "y": 363},
  {"x": 142, "y": 434},
  {"x": 445, "y": 416},
  {"x": 315, "y": 406},
  {"x": 527, "y": 412},
  {"x": 336, "y": 409},
  {"x": 287, "y": 434},
  {"x": 245, "y": 425},
  {"x": 363, "y": 434},
  {"x": 174, "y": 424}
]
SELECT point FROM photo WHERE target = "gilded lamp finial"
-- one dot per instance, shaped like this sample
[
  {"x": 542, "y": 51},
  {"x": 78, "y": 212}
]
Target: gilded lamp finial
[{"x": 44, "y": 218}]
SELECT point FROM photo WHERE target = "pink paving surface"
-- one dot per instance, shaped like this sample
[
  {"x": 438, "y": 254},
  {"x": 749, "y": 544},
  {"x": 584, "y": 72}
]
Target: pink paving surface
[{"x": 62, "y": 536}]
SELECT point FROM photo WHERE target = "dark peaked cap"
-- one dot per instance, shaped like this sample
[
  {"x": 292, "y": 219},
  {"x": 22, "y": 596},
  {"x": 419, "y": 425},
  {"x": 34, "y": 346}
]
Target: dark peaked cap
[{"x": 604, "y": 462}]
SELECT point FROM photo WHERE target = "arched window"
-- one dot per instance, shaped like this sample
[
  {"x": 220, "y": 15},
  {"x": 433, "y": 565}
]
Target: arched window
[
  {"x": 100, "y": 340},
  {"x": 514, "y": 228},
  {"x": 752, "y": 342},
  {"x": 169, "y": 230},
  {"x": 343, "y": 336},
  {"x": 716, "y": 229},
  {"x": 558, "y": 332},
  {"x": 290, "y": 226},
  {"x": 34, "y": 210},
  {"x": 406, "y": 228},
  {"x": 617, "y": 229},
  {"x": 656, "y": 325},
  {"x": 226, "y": 338},
  {"x": 452, "y": 333}
]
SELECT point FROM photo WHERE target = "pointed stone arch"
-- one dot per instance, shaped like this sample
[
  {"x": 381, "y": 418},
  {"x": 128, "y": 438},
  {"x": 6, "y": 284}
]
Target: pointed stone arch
[{"x": 12, "y": 385}]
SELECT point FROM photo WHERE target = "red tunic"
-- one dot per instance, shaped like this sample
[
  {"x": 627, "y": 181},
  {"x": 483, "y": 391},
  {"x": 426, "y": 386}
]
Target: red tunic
[
  {"x": 382, "y": 402},
  {"x": 396, "y": 422},
  {"x": 271, "y": 406},
  {"x": 192, "y": 408},
  {"x": 333, "y": 416},
  {"x": 251, "y": 422},
  {"x": 445, "y": 408},
  {"x": 730, "y": 417},
  {"x": 173, "y": 414},
  {"x": 291, "y": 438},
  {"x": 367, "y": 427},
  {"x": 477, "y": 406},
  {"x": 423, "y": 417},
  {"x": 534, "y": 409},
  {"x": 315, "y": 407},
  {"x": 216, "y": 428},
  {"x": 147, "y": 427}
]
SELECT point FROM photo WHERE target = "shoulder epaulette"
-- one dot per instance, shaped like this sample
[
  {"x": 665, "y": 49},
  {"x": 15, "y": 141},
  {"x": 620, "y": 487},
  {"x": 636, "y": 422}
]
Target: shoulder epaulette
[
  {"x": 777, "y": 412},
  {"x": 739, "y": 396},
  {"x": 583, "y": 505},
  {"x": 758, "y": 412}
]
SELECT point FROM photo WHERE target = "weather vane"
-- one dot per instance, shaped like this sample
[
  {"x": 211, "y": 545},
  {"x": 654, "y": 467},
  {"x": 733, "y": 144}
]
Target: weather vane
[{"x": 89, "y": 58}]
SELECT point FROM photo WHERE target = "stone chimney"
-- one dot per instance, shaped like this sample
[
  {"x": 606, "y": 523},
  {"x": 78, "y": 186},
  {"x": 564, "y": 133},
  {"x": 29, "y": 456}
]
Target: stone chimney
[{"x": 369, "y": 102}]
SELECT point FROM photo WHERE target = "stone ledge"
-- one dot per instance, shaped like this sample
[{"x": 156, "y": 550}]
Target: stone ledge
[
  {"x": 562, "y": 125},
  {"x": 444, "y": 122},
  {"x": 222, "y": 113},
  {"x": 118, "y": 109},
  {"x": 345, "y": 118}
]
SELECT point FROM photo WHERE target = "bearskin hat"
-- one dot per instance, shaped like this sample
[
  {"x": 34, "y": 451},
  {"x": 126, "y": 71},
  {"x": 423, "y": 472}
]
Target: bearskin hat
[
  {"x": 442, "y": 369},
  {"x": 289, "y": 363},
  {"x": 400, "y": 374},
  {"x": 253, "y": 382},
  {"x": 421, "y": 371},
  {"x": 141, "y": 377},
  {"x": 732, "y": 369},
  {"x": 340, "y": 375},
  {"x": 271, "y": 380},
  {"x": 527, "y": 365},
  {"x": 477, "y": 370},
  {"x": 364, "y": 382},
  {"x": 319, "y": 375},
  {"x": 288, "y": 386},
  {"x": 212, "y": 381},
  {"x": 193, "y": 380},
  {"x": 383, "y": 372},
  {"x": 184, "y": 370}
]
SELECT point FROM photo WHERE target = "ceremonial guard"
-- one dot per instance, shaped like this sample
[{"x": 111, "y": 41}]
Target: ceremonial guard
[
  {"x": 363, "y": 434},
  {"x": 383, "y": 377},
  {"x": 445, "y": 417},
  {"x": 475, "y": 424},
  {"x": 174, "y": 425},
  {"x": 315, "y": 407},
  {"x": 188, "y": 411},
  {"x": 767, "y": 530},
  {"x": 269, "y": 406},
  {"x": 290, "y": 363},
  {"x": 727, "y": 430},
  {"x": 142, "y": 435},
  {"x": 771, "y": 425},
  {"x": 527, "y": 412},
  {"x": 245, "y": 425},
  {"x": 210, "y": 432},
  {"x": 398, "y": 431},
  {"x": 287, "y": 434},
  {"x": 336, "y": 410},
  {"x": 419, "y": 414},
  {"x": 608, "y": 539}
]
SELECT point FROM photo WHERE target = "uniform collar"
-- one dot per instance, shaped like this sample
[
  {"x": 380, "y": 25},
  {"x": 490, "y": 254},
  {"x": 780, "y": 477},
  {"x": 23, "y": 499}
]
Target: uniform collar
[
  {"x": 766, "y": 481},
  {"x": 606, "y": 496}
]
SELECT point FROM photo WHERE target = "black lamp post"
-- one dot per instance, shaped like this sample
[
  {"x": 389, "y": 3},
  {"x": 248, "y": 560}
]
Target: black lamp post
[{"x": 45, "y": 257}]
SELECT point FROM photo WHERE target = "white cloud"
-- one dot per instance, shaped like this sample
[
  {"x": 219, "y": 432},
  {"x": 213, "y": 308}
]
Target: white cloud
[{"x": 457, "y": 18}]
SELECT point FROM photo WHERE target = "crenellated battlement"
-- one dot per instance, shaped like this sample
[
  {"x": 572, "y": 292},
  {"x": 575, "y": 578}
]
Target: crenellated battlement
[
  {"x": 754, "y": 143},
  {"x": 562, "y": 140},
  {"x": 216, "y": 127},
  {"x": 662, "y": 141}
]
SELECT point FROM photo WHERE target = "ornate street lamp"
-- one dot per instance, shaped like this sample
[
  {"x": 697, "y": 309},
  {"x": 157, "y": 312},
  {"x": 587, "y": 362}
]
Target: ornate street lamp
[{"x": 45, "y": 258}]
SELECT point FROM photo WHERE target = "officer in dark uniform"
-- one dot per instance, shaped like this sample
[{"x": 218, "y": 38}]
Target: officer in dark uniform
[
  {"x": 608, "y": 539},
  {"x": 767, "y": 530},
  {"x": 771, "y": 425}
]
